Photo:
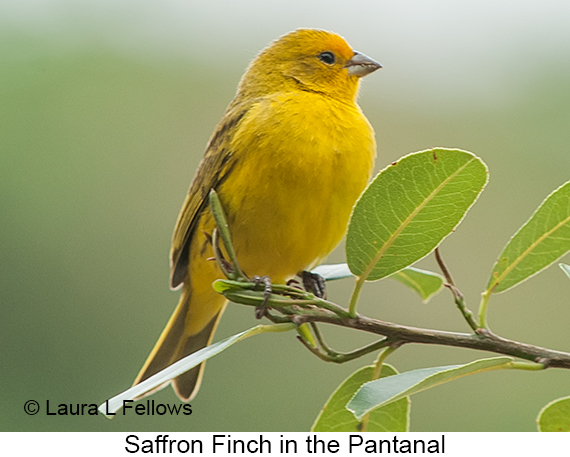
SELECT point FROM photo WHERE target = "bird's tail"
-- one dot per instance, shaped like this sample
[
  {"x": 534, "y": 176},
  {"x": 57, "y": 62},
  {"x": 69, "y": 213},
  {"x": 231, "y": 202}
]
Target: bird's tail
[{"x": 178, "y": 340}]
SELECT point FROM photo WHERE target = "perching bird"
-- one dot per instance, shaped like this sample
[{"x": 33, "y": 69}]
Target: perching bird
[{"x": 288, "y": 160}]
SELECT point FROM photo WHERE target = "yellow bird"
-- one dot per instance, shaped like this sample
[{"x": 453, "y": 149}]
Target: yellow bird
[{"x": 288, "y": 160}]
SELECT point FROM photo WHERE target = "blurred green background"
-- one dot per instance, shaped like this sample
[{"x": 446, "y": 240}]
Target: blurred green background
[{"x": 105, "y": 110}]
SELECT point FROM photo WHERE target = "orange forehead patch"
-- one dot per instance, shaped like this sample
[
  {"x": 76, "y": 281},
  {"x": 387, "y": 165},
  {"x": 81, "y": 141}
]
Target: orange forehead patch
[{"x": 308, "y": 41}]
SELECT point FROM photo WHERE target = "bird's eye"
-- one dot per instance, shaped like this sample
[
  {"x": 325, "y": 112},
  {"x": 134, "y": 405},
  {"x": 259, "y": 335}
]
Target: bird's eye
[{"x": 327, "y": 57}]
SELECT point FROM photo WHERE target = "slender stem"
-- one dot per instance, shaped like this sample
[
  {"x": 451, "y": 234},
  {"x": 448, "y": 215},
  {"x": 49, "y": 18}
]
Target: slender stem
[
  {"x": 527, "y": 366},
  {"x": 485, "y": 296},
  {"x": 277, "y": 319},
  {"x": 443, "y": 267},
  {"x": 315, "y": 350},
  {"x": 318, "y": 336},
  {"x": 333, "y": 307},
  {"x": 380, "y": 360},
  {"x": 348, "y": 356},
  {"x": 458, "y": 297},
  {"x": 329, "y": 355},
  {"x": 273, "y": 328},
  {"x": 460, "y": 302},
  {"x": 355, "y": 296}
]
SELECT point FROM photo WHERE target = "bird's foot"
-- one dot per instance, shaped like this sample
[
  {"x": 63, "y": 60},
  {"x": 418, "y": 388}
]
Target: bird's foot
[
  {"x": 314, "y": 283},
  {"x": 266, "y": 282}
]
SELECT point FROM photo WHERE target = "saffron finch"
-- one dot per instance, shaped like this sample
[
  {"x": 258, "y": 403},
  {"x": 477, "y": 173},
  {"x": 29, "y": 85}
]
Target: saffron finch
[{"x": 288, "y": 160}]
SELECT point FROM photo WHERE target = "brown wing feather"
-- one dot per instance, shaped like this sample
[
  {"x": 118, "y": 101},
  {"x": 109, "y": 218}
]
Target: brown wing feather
[{"x": 214, "y": 167}]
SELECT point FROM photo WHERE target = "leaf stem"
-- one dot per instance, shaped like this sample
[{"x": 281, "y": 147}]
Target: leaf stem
[
  {"x": 527, "y": 366},
  {"x": 380, "y": 360},
  {"x": 355, "y": 296},
  {"x": 271, "y": 328},
  {"x": 485, "y": 296}
]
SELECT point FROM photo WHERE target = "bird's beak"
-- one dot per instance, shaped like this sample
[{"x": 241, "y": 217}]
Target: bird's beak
[{"x": 361, "y": 65}]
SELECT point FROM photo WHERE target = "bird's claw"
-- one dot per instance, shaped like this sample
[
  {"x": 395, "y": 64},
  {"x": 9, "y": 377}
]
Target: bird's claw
[
  {"x": 314, "y": 283},
  {"x": 262, "y": 309}
]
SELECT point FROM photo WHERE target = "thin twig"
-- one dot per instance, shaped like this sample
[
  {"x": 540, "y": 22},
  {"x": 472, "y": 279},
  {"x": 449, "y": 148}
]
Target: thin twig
[
  {"x": 443, "y": 267},
  {"x": 342, "y": 357},
  {"x": 457, "y": 295}
]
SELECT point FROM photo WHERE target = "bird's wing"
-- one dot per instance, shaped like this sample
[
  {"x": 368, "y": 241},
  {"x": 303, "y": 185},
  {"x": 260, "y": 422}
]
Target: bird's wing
[{"x": 213, "y": 169}]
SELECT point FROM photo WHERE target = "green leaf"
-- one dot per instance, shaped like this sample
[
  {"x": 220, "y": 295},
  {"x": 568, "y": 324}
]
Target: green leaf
[
  {"x": 555, "y": 417},
  {"x": 380, "y": 392},
  {"x": 565, "y": 269},
  {"x": 425, "y": 283},
  {"x": 223, "y": 229},
  {"x": 334, "y": 417},
  {"x": 543, "y": 239},
  {"x": 409, "y": 208},
  {"x": 162, "y": 378}
]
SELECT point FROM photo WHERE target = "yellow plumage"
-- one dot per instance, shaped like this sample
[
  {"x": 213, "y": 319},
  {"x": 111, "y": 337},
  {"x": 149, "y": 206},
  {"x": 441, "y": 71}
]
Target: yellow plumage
[{"x": 288, "y": 160}]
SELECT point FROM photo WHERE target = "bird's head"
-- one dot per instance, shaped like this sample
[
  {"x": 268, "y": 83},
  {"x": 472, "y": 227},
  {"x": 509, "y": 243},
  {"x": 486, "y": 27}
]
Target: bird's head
[{"x": 309, "y": 60}]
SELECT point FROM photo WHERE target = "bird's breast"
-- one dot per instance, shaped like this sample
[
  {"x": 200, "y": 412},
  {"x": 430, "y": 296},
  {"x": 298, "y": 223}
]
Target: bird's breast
[{"x": 301, "y": 162}]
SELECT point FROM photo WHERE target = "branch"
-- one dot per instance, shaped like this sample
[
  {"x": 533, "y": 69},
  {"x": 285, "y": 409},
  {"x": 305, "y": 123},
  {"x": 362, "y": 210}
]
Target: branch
[{"x": 483, "y": 340}]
